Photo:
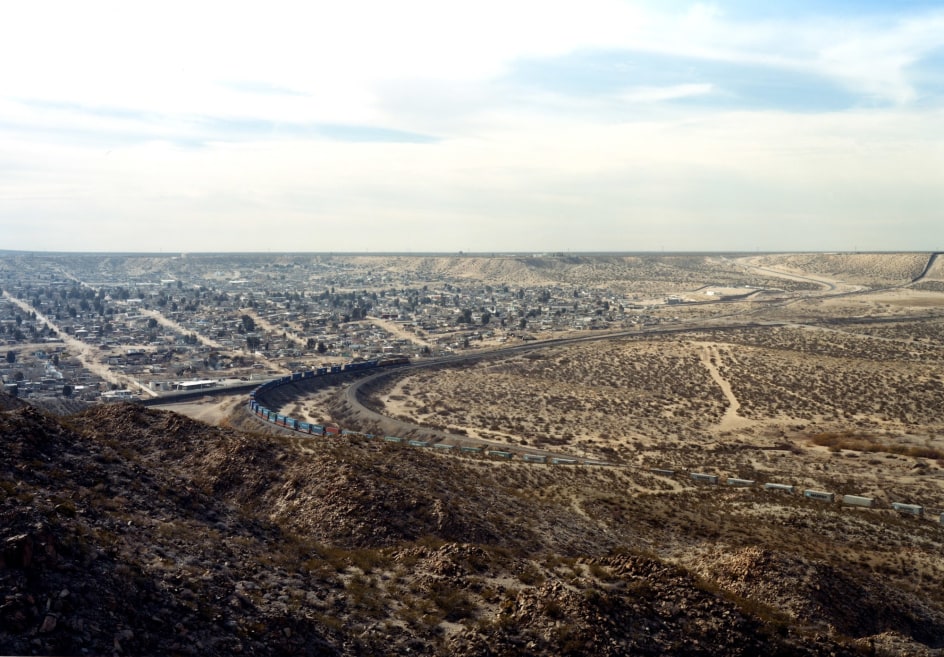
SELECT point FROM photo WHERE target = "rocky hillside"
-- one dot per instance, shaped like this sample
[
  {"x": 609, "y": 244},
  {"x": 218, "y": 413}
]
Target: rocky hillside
[{"x": 126, "y": 530}]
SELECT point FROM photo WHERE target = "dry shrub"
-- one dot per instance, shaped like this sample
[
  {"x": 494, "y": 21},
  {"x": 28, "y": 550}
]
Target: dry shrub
[{"x": 837, "y": 440}]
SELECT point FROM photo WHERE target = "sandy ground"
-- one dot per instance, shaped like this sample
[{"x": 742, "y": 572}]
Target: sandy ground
[
  {"x": 711, "y": 359},
  {"x": 209, "y": 409}
]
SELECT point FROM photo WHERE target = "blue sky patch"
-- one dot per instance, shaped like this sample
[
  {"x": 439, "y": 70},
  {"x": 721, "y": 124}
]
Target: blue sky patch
[{"x": 744, "y": 86}]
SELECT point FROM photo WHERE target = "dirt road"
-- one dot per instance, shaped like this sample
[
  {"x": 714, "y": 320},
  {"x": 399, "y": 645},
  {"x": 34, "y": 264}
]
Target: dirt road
[
  {"x": 711, "y": 358},
  {"x": 183, "y": 330},
  {"x": 86, "y": 353},
  {"x": 398, "y": 331},
  {"x": 212, "y": 410}
]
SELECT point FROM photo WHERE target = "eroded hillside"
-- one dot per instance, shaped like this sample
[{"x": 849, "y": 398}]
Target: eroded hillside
[{"x": 133, "y": 531}]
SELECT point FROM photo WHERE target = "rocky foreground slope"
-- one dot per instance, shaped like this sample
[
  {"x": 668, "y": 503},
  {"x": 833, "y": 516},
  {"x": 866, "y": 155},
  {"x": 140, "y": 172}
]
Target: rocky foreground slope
[{"x": 126, "y": 530}]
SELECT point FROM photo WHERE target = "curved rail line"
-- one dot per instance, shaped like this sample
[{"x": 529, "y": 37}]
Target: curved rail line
[
  {"x": 485, "y": 448},
  {"x": 534, "y": 456}
]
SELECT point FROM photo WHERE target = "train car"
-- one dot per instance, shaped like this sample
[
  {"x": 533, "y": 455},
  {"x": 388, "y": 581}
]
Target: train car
[
  {"x": 534, "y": 458},
  {"x": 497, "y": 453},
  {"x": 321, "y": 371},
  {"x": 334, "y": 431},
  {"x": 335, "y": 369},
  {"x": 393, "y": 439},
  {"x": 819, "y": 495},
  {"x": 857, "y": 500},
  {"x": 704, "y": 478},
  {"x": 910, "y": 509}
]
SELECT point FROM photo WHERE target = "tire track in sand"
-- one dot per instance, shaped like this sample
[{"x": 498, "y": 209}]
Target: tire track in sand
[{"x": 711, "y": 358}]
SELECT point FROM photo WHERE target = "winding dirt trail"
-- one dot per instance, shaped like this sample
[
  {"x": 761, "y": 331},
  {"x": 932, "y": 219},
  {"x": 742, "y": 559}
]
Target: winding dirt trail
[
  {"x": 710, "y": 356},
  {"x": 830, "y": 285}
]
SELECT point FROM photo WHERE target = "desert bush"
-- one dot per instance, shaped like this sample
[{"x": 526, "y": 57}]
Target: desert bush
[{"x": 852, "y": 440}]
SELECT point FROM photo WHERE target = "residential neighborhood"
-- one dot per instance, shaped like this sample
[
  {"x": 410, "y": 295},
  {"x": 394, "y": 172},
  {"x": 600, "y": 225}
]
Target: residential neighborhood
[{"x": 101, "y": 327}]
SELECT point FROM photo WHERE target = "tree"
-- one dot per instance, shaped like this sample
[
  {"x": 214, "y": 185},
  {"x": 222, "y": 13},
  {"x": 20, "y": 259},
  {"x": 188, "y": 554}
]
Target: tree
[
  {"x": 151, "y": 323},
  {"x": 249, "y": 324},
  {"x": 253, "y": 342},
  {"x": 67, "y": 390},
  {"x": 322, "y": 348},
  {"x": 11, "y": 357},
  {"x": 486, "y": 317}
]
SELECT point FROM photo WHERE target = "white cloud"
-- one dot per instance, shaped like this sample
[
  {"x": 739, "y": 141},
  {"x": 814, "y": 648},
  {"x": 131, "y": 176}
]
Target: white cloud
[
  {"x": 516, "y": 165},
  {"x": 659, "y": 94}
]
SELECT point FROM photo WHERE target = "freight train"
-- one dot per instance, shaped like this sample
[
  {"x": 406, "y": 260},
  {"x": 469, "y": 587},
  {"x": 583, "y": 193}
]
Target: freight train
[
  {"x": 700, "y": 477},
  {"x": 288, "y": 422}
]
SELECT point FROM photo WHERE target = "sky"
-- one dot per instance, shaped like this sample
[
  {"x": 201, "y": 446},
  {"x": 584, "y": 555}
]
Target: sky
[{"x": 487, "y": 126}]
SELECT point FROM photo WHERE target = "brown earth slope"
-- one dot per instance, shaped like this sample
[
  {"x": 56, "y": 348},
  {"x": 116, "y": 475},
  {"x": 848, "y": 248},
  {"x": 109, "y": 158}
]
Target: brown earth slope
[{"x": 126, "y": 530}]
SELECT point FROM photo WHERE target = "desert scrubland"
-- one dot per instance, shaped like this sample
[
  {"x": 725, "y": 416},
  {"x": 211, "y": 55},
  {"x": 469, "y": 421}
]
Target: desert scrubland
[
  {"x": 829, "y": 379},
  {"x": 862, "y": 367},
  {"x": 870, "y": 269}
]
